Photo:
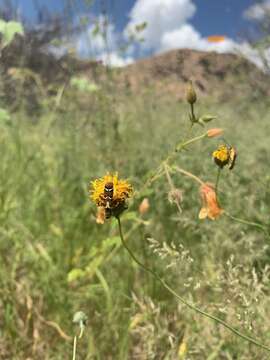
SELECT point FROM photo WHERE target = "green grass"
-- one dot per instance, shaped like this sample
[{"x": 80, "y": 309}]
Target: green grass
[{"x": 55, "y": 260}]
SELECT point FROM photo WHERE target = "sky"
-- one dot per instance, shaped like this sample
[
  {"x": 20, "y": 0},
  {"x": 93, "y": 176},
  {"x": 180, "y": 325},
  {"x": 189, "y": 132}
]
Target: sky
[{"x": 171, "y": 24}]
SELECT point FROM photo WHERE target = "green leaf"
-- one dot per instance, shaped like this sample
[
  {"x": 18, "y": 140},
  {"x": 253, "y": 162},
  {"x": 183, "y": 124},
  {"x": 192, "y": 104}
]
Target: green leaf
[
  {"x": 9, "y": 30},
  {"x": 201, "y": 122},
  {"x": 83, "y": 84},
  {"x": 96, "y": 30},
  {"x": 4, "y": 116},
  {"x": 75, "y": 274},
  {"x": 206, "y": 118}
]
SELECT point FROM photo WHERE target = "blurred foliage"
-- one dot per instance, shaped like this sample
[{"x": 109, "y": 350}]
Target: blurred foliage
[
  {"x": 55, "y": 260},
  {"x": 61, "y": 129},
  {"x": 8, "y": 30},
  {"x": 83, "y": 84}
]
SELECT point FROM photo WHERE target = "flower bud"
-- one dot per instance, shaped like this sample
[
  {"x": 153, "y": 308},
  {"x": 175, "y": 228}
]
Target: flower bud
[
  {"x": 191, "y": 96},
  {"x": 214, "y": 132},
  {"x": 144, "y": 206}
]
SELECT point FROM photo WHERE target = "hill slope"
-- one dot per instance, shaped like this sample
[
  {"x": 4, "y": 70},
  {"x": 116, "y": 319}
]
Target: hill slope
[
  {"x": 212, "y": 73},
  {"x": 167, "y": 74}
]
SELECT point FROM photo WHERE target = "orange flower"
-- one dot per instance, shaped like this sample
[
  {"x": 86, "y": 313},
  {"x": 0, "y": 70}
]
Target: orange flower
[{"x": 210, "y": 207}]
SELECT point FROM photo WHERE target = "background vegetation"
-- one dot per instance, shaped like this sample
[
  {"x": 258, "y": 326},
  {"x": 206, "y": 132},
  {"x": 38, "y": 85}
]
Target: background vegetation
[{"x": 55, "y": 259}]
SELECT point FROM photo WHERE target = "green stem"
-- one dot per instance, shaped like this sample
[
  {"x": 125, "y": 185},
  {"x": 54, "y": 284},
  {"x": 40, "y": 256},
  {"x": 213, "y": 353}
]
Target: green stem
[
  {"x": 182, "y": 300},
  {"x": 74, "y": 348},
  {"x": 192, "y": 114},
  {"x": 158, "y": 172},
  {"x": 246, "y": 222},
  {"x": 217, "y": 181},
  {"x": 187, "y": 173},
  {"x": 189, "y": 130},
  {"x": 75, "y": 340},
  {"x": 181, "y": 146}
]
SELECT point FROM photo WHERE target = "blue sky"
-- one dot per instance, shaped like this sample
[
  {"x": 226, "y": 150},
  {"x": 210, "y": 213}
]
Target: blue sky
[
  {"x": 171, "y": 23},
  {"x": 212, "y": 16}
]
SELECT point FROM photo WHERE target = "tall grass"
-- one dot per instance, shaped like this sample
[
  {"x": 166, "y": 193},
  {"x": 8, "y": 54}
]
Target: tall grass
[{"x": 55, "y": 260}]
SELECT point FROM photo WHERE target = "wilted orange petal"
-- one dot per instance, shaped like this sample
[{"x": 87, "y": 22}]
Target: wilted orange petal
[
  {"x": 210, "y": 208},
  {"x": 100, "y": 219}
]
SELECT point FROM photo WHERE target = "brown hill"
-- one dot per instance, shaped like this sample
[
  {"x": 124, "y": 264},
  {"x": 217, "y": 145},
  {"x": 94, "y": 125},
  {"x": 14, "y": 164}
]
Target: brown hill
[
  {"x": 221, "y": 75},
  {"x": 213, "y": 74}
]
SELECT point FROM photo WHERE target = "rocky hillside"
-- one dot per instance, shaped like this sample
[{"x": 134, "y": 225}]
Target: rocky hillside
[
  {"x": 213, "y": 74},
  {"x": 221, "y": 75}
]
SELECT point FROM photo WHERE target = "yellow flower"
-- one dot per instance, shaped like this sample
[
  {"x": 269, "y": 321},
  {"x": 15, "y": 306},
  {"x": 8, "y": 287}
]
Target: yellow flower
[
  {"x": 110, "y": 193},
  {"x": 225, "y": 155},
  {"x": 221, "y": 156}
]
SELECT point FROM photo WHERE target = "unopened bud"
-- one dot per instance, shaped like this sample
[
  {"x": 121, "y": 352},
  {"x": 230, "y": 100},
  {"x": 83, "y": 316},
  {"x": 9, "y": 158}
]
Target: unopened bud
[
  {"x": 144, "y": 206},
  {"x": 191, "y": 96},
  {"x": 214, "y": 132}
]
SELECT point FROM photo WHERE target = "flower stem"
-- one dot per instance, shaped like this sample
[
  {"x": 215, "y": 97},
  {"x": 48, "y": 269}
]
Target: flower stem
[
  {"x": 74, "y": 348},
  {"x": 181, "y": 146},
  {"x": 75, "y": 340},
  {"x": 189, "y": 130},
  {"x": 192, "y": 113},
  {"x": 247, "y": 222},
  {"x": 217, "y": 181},
  {"x": 187, "y": 173},
  {"x": 182, "y": 300},
  {"x": 158, "y": 172}
]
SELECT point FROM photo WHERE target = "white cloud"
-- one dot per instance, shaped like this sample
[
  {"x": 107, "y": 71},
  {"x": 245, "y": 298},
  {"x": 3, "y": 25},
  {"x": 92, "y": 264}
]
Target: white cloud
[
  {"x": 187, "y": 37},
  {"x": 260, "y": 58},
  {"x": 115, "y": 60},
  {"x": 168, "y": 27},
  {"x": 257, "y": 11},
  {"x": 161, "y": 16},
  {"x": 90, "y": 42},
  {"x": 103, "y": 45},
  {"x": 183, "y": 37}
]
